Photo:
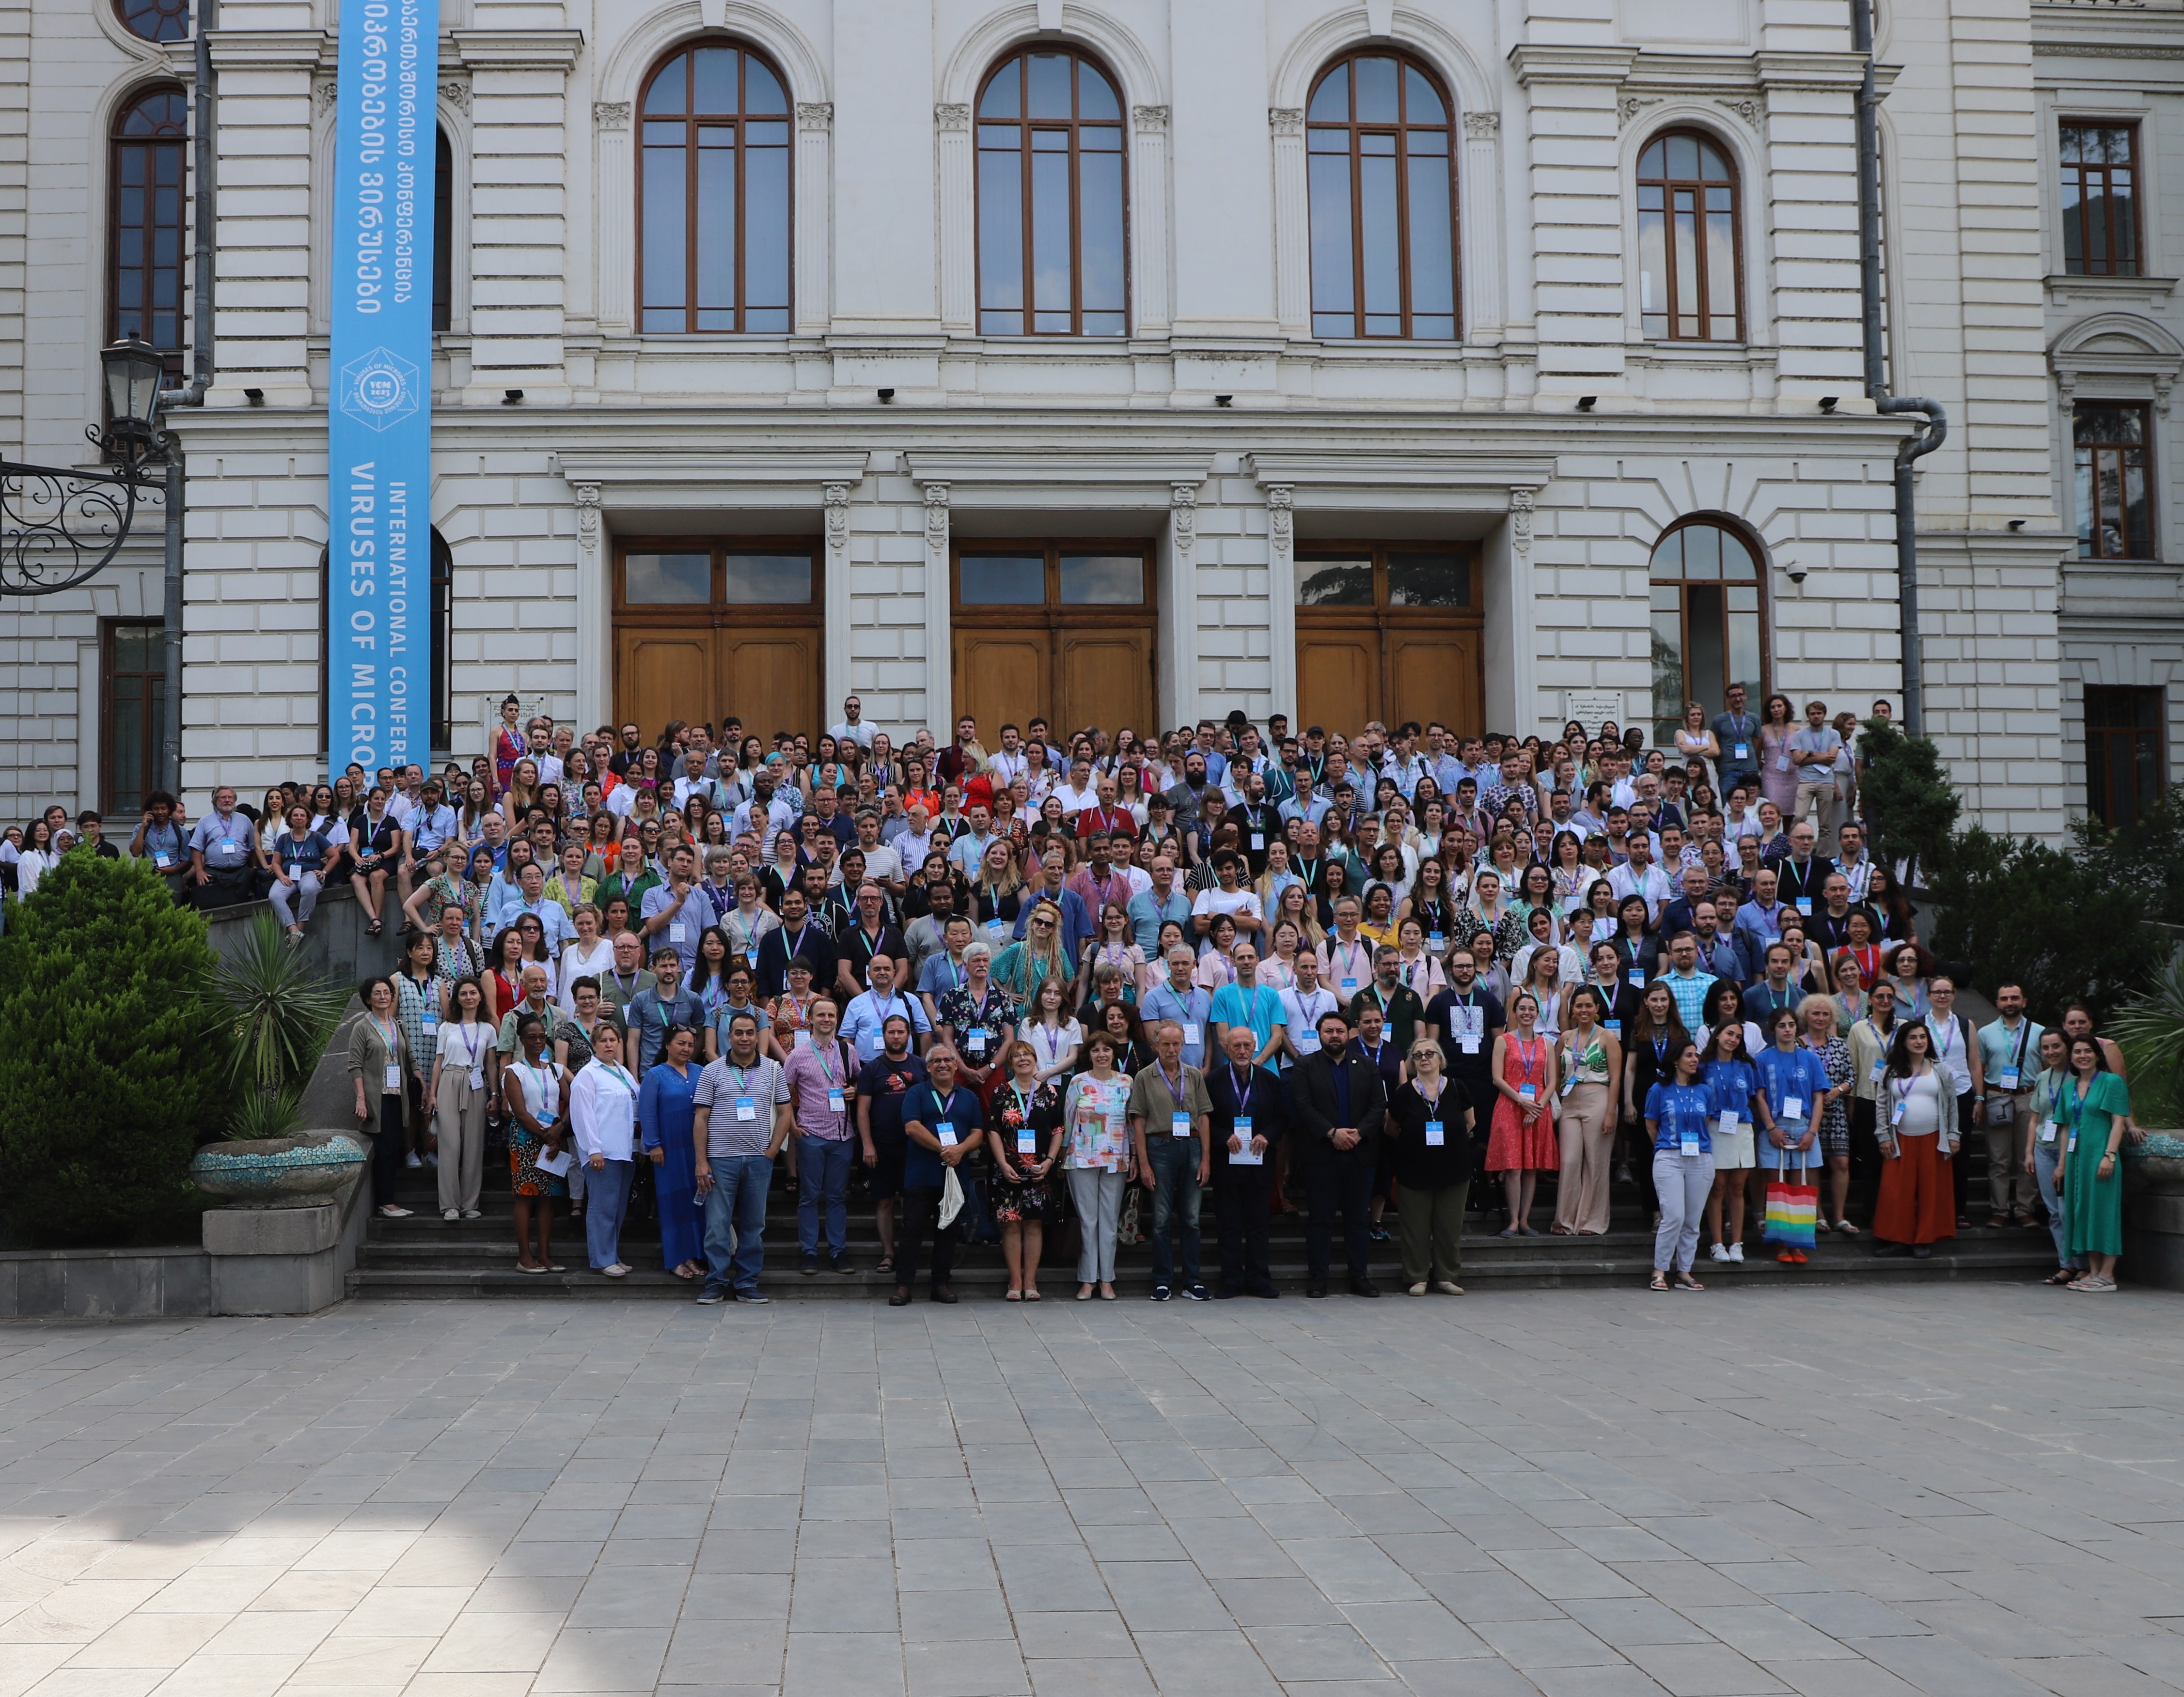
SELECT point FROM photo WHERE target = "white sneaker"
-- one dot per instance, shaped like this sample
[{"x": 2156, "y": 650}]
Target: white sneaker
[
  {"x": 451, "y": 1214},
  {"x": 1717, "y": 1253},
  {"x": 473, "y": 1213},
  {"x": 1736, "y": 1252},
  {"x": 1419, "y": 1289},
  {"x": 410, "y": 1160}
]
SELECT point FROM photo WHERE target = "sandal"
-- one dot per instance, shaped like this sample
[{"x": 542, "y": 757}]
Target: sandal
[
  {"x": 521, "y": 1268},
  {"x": 1032, "y": 1296},
  {"x": 886, "y": 1266},
  {"x": 1013, "y": 1296},
  {"x": 1660, "y": 1282},
  {"x": 2062, "y": 1275},
  {"x": 1685, "y": 1282},
  {"x": 373, "y": 929}
]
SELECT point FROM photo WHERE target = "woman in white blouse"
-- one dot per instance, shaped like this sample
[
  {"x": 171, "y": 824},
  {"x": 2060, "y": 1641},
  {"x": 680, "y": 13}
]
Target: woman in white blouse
[
  {"x": 590, "y": 956},
  {"x": 603, "y": 1114},
  {"x": 1053, "y": 1035}
]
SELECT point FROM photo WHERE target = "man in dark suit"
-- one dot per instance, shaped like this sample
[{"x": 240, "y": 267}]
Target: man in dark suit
[
  {"x": 1251, "y": 1112},
  {"x": 1340, "y": 1107}
]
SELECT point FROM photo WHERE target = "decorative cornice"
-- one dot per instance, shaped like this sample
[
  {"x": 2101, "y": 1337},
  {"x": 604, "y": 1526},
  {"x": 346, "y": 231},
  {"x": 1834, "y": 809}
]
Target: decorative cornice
[
  {"x": 2109, "y": 50},
  {"x": 1286, "y": 120},
  {"x": 519, "y": 49},
  {"x": 951, "y": 117},
  {"x": 1536, "y": 62},
  {"x": 270, "y": 49}
]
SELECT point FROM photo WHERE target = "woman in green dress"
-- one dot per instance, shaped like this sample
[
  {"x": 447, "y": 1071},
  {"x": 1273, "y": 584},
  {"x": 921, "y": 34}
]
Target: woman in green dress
[{"x": 2093, "y": 1109}]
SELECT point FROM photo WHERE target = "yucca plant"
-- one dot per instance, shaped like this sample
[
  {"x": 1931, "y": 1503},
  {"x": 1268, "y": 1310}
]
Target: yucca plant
[
  {"x": 279, "y": 1014},
  {"x": 2150, "y": 1029}
]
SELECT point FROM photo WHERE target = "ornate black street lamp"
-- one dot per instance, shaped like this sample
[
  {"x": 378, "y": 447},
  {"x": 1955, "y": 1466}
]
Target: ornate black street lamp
[{"x": 61, "y": 526}]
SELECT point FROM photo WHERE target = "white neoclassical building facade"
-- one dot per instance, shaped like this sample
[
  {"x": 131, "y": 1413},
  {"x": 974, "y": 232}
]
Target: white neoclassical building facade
[{"x": 1134, "y": 361}]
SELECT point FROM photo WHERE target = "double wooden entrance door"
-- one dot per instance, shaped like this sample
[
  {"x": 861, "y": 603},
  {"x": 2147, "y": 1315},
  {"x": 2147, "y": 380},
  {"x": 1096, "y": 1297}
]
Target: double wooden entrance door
[
  {"x": 1059, "y": 631},
  {"x": 704, "y": 630}
]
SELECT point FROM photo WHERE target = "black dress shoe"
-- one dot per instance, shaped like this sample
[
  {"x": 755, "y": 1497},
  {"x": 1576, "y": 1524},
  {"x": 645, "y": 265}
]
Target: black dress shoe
[
  {"x": 1223, "y": 1294},
  {"x": 1363, "y": 1286},
  {"x": 1268, "y": 1292},
  {"x": 1924, "y": 1252},
  {"x": 1891, "y": 1251},
  {"x": 941, "y": 1292},
  {"x": 901, "y": 1298},
  {"x": 1315, "y": 1290}
]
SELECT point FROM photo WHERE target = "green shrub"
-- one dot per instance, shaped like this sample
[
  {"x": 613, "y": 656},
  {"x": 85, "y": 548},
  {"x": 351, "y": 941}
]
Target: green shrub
[
  {"x": 1911, "y": 806},
  {"x": 110, "y": 1077},
  {"x": 2147, "y": 855},
  {"x": 278, "y": 1013},
  {"x": 2023, "y": 913},
  {"x": 2150, "y": 1030}
]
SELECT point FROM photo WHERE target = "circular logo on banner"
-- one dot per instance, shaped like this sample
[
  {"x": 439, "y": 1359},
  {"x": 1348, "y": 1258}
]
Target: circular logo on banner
[{"x": 379, "y": 389}]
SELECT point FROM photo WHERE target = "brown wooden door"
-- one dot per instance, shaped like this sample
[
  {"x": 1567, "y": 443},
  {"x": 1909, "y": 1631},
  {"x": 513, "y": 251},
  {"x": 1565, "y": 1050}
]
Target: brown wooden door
[
  {"x": 1435, "y": 675},
  {"x": 1107, "y": 679},
  {"x": 1337, "y": 679},
  {"x": 769, "y": 679},
  {"x": 1002, "y": 678},
  {"x": 662, "y": 675}
]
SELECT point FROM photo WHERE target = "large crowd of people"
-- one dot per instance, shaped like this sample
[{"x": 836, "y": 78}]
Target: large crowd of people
[{"x": 1057, "y": 990}]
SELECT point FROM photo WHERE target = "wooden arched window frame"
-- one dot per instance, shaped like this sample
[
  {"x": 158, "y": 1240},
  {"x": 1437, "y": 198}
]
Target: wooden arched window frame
[
  {"x": 1709, "y": 618},
  {"x": 1053, "y": 197},
  {"x": 1691, "y": 258},
  {"x": 1380, "y": 163},
  {"x": 148, "y": 221},
  {"x": 713, "y": 193}
]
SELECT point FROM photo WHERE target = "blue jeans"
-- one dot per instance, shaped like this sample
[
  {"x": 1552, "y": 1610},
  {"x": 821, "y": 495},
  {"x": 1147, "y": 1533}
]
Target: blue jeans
[
  {"x": 735, "y": 1216},
  {"x": 1175, "y": 1197},
  {"x": 2046, "y": 1158},
  {"x": 609, "y": 1191},
  {"x": 822, "y": 1174}
]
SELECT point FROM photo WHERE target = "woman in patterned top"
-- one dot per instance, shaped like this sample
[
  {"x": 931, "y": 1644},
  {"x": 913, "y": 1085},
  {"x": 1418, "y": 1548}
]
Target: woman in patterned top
[
  {"x": 1096, "y": 1113},
  {"x": 1025, "y": 1139},
  {"x": 978, "y": 1016}
]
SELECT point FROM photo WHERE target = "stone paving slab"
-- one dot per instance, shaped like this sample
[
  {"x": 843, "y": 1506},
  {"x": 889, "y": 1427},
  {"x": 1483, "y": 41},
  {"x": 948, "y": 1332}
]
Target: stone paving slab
[{"x": 1841, "y": 1493}]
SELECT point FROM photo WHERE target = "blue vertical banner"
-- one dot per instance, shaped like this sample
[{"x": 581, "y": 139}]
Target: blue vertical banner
[{"x": 379, "y": 424}]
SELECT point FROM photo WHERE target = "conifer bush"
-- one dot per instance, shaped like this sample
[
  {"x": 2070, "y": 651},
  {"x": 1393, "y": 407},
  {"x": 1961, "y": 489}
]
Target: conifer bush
[{"x": 110, "y": 1074}]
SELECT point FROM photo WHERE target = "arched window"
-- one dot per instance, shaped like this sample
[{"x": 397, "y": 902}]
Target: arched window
[
  {"x": 1382, "y": 178},
  {"x": 155, "y": 20},
  {"x": 443, "y": 231},
  {"x": 1708, "y": 628},
  {"x": 712, "y": 194},
  {"x": 148, "y": 219},
  {"x": 1690, "y": 281},
  {"x": 1052, "y": 213}
]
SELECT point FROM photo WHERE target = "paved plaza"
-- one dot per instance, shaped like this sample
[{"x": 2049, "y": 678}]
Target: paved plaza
[{"x": 1954, "y": 1489}]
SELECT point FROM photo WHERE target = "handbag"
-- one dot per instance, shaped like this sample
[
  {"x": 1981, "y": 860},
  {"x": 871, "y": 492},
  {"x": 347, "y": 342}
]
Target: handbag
[
  {"x": 1791, "y": 1209},
  {"x": 2001, "y": 1109}
]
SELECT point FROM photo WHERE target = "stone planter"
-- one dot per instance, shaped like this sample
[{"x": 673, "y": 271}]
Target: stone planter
[
  {"x": 2156, "y": 1167},
  {"x": 278, "y": 1172}
]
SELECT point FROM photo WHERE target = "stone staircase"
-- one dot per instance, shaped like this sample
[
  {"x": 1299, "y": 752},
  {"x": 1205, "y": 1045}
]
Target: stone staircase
[{"x": 424, "y": 1258}]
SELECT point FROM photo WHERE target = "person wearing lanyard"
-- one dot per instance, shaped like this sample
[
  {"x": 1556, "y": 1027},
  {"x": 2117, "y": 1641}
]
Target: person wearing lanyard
[
  {"x": 741, "y": 1121},
  {"x": 1957, "y": 1056},
  {"x": 1402, "y": 1010},
  {"x": 418, "y": 1008},
  {"x": 864, "y": 1023},
  {"x": 1680, "y": 1128},
  {"x": 942, "y": 970},
  {"x": 2045, "y": 1157},
  {"x": 1430, "y": 1125},
  {"x": 1169, "y": 1125},
  {"x": 1916, "y": 1126},
  {"x": 1341, "y": 1109},
  {"x": 1795, "y": 1085},
  {"x": 163, "y": 842},
  {"x": 977, "y": 1017},
  {"x": 1591, "y": 1068},
  {"x": 1523, "y": 1144},
  {"x": 378, "y": 1060},
  {"x": 2095, "y": 1118},
  {"x": 538, "y": 1154},
  {"x": 943, "y": 1125},
  {"x": 1870, "y": 1040},
  {"x": 603, "y": 1114},
  {"x": 1465, "y": 1019},
  {"x": 2009, "y": 1055},
  {"x": 1026, "y": 1142},
  {"x": 822, "y": 1077},
  {"x": 458, "y": 1096},
  {"x": 666, "y": 1111},
  {"x": 1189, "y": 1006},
  {"x": 1248, "y": 1113},
  {"x": 1347, "y": 961},
  {"x": 1302, "y": 1008},
  {"x": 1249, "y": 1002},
  {"x": 222, "y": 848},
  {"x": 1737, "y": 733}
]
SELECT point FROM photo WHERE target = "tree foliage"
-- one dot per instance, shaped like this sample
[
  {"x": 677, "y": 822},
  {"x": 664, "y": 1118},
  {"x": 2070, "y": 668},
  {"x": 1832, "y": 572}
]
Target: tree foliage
[
  {"x": 2026, "y": 914},
  {"x": 2147, "y": 855},
  {"x": 1912, "y": 807},
  {"x": 110, "y": 1077}
]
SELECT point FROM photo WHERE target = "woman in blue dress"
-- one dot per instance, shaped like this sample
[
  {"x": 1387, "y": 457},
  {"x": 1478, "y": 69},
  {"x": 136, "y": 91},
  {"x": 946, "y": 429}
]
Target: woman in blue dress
[{"x": 666, "y": 1113}]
